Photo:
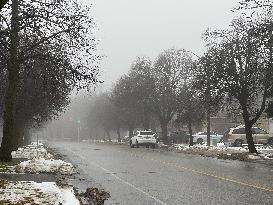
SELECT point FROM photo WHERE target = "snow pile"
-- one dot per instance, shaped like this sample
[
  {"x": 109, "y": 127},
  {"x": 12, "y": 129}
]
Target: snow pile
[
  {"x": 31, "y": 151},
  {"x": 181, "y": 147},
  {"x": 39, "y": 144},
  {"x": 46, "y": 193},
  {"x": 223, "y": 151},
  {"x": 253, "y": 156},
  {"x": 220, "y": 147},
  {"x": 42, "y": 165}
]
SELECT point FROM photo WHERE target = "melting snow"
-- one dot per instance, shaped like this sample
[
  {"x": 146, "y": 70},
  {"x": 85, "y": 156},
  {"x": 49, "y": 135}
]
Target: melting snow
[
  {"x": 45, "y": 193},
  {"x": 42, "y": 165},
  {"x": 266, "y": 152},
  {"x": 31, "y": 151}
]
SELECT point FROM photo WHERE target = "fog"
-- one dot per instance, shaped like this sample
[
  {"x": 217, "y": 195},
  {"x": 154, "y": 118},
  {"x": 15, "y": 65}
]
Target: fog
[
  {"x": 130, "y": 28},
  {"x": 127, "y": 29}
]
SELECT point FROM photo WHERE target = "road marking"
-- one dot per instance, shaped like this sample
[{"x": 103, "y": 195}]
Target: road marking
[
  {"x": 212, "y": 175},
  {"x": 120, "y": 179}
]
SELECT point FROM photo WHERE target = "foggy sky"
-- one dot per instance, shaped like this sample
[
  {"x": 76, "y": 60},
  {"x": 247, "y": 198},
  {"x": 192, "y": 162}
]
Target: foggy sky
[{"x": 130, "y": 28}]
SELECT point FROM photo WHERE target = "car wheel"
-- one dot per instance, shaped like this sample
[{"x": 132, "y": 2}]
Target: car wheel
[
  {"x": 152, "y": 146},
  {"x": 137, "y": 145},
  {"x": 199, "y": 141},
  {"x": 238, "y": 143},
  {"x": 270, "y": 141}
]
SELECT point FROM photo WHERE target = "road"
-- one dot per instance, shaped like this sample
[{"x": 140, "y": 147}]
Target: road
[{"x": 150, "y": 177}]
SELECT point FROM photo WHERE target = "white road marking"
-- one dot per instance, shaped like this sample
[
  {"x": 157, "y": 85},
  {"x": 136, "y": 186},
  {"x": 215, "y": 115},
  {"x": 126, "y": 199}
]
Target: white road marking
[{"x": 120, "y": 179}]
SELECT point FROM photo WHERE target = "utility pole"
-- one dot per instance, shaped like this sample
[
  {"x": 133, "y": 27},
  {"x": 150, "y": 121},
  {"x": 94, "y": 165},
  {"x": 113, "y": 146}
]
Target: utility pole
[
  {"x": 208, "y": 101},
  {"x": 79, "y": 124}
]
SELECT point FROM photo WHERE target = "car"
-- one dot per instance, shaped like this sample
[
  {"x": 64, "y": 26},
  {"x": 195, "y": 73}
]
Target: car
[
  {"x": 201, "y": 137},
  {"x": 237, "y": 136},
  {"x": 143, "y": 138},
  {"x": 125, "y": 138}
]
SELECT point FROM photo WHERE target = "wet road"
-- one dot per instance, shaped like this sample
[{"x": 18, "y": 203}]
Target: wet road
[{"x": 149, "y": 177}]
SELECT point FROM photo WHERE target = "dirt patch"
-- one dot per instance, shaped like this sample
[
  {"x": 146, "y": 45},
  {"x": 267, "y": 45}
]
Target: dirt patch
[{"x": 95, "y": 196}]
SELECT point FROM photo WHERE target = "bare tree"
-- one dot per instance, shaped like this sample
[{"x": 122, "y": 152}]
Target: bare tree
[
  {"x": 242, "y": 59},
  {"x": 125, "y": 99},
  {"x": 103, "y": 114},
  {"x": 61, "y": 25},
  {"x": 191, "y": 109},
  {"x": 169, "y": 73},
  {"x": 140, "y": 74}
]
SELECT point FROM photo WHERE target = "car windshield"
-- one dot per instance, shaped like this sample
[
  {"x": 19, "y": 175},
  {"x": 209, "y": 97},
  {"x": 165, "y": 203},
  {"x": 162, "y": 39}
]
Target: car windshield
[{"x": 146, "y": 133}]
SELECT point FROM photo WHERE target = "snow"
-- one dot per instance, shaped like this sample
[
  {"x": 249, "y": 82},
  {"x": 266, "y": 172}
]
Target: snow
[
  {"x": 265, "y": 151},
  {"x": 252, "y": 156},
  {"x": 45, "y": 193},
  {"x": 69, "y": 197},
  {"x": 29, "y": 192},
  {"x": 31, "y": 151},
  {"x": 42, "y": 165}
]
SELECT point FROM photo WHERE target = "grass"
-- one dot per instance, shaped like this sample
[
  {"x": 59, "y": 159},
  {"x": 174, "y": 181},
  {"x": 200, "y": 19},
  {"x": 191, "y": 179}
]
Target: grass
[
  {"x": 5, "y": 202},
  {"x": 4, "y": 166}
]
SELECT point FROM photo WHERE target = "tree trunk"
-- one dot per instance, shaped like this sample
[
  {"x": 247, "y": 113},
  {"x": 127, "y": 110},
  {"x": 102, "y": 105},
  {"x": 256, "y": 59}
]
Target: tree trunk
[
  {"x": 248, "y": 126},
  {"x": 22, "y": 138},
  {"x": 164, "y": 130},
  {"x": 119, "y": 137},
  {"x": 27, "y": 137},
  {"x": 17, "y": 142},
  {"x": 190, "y": 132},
  {"x": 131, "y": 132},
  {"x": 11, "y": 92},
  {"x": 249, "y": 139},
  {"x": 108, "y": 136}
]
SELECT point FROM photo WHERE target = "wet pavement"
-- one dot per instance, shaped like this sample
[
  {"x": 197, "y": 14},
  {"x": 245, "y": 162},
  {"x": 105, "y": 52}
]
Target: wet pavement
[{"x": 147, "y": 177}]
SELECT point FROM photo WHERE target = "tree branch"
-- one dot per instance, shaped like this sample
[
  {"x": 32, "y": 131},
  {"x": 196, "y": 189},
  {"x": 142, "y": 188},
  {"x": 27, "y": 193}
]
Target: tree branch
[
  {"x": 46, "y": 39},
  {"x": 3, "y": 3}
]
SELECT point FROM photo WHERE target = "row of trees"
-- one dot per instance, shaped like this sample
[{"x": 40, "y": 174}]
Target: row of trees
[
  {"x": 152, "y": 93},
  {"x": 236, "y": 71},
  {"x": 46, "y": 51}
]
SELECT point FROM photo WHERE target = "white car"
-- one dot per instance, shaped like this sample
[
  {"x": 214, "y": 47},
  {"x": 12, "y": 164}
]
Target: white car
[
  {"x": 145, "y": 138},
  {"x": 201, "y": 137}
]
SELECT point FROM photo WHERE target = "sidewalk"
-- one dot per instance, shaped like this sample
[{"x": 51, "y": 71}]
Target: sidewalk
[{"x": 38, "y": 177}]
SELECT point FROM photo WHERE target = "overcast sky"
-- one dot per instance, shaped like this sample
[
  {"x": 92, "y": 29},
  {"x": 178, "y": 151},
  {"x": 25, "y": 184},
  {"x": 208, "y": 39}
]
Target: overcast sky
[{"x": 130, "y": 28}]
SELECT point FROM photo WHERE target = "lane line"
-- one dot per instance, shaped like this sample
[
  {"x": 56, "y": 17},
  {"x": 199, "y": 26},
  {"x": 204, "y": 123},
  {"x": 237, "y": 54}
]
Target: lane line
[
  {"x": 121, "y": 180},
  {"x": 259, "y": 187},
  {"x": 211, "y": 175}
]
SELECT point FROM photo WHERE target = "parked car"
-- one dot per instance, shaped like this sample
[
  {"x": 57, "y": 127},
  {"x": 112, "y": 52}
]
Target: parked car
[
  {"x": 145, "y": 138},
  {"x": 126, "y": 138},
  {"x": 201, "y": 137},
  {"x": 237, "y": 136}
]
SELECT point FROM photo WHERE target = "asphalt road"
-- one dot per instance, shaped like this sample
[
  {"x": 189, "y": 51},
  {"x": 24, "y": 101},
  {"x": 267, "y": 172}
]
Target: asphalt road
[{"x": 149, "y": 177}]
